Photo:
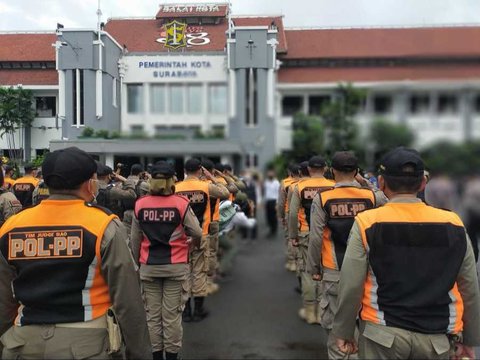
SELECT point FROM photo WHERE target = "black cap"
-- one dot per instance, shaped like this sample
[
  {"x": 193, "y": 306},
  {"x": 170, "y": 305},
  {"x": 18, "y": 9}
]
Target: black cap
[
  {"x": 30, "y": 167},
  {"x": 192, "y": 165},
  {"x": 208, "y": 164},
  {"x": 72, "y": 165},
  {"x": 136, "y": 169},
  {"x": 395, "y": 161},
  {"x": 227, "y": 167},
  {"x": 345, "y": 161},
  {"x": 103, "y": 170},
  {"x": 294, "y": 168},
  {"x": 162, "y": 169},
  {"x": 220, "y": 167},
  {"x": 317, "y": 162}
]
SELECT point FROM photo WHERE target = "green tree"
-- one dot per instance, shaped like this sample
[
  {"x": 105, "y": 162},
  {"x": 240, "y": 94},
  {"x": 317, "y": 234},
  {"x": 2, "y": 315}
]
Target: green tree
[
  {"x": 339, "y": 118},
  {"x": 385, "y": 135},
  {"x": 16, "y": 114}
]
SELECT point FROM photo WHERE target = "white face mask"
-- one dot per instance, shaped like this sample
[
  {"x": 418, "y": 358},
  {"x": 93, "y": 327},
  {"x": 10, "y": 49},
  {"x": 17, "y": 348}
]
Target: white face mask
[{"x": 93, "y": 189}]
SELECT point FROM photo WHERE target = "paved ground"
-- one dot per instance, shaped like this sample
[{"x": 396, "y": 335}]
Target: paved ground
[{"x": 254, "y": 315}]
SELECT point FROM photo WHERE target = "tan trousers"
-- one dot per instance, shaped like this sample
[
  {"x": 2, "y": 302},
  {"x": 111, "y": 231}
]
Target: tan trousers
[
  {"x": 52, "y": 342},
  {"x": 164, "y": 302},
  {"x": 310, "y": 287},
  {"x": 385, "y": 342},
  {"x": 127, "y": 221},
  {"x": 213, "y": 248},
  {"x": 199, "y": 268}
]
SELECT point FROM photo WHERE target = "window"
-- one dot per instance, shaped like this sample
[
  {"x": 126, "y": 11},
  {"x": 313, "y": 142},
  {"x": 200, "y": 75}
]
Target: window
[
  {"x": 292, "y": 105},
  {"x": 114, "y": 92},
  {"x": 135, "y": 98},
  {"x": 46, "y": 106},
  {"x": 160, "y": 130},
  {"x": 316, "y": 103},
  {"x": 137, "y": 130},
  {"x": 157, "y": 99},
  {"x": 78, "y": 98},
  {"x": 217, "y": 99},
  {"x": 382, "y": 104},
  {"x": 195, "y": 99},
  {"x": 419, "y": 104},
  {"x": 447, "y": 104},
  {"x": 176, "y": 99},
  {"x": 251, "y": 160},
  {"x": 251, "y": 97}
]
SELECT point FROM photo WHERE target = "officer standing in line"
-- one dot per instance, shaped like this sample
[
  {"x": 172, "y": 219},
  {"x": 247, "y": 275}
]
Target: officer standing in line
[
  {"x": 163, "y": 227},
  {"x": 228, "y": 171},
  {"x": 199, "y": 193},
  {"x": 139, "y": 179},
  {"x": 213, "y": 230},
  {"x": 8, "y": 180},
  {"x": 9, "y": 204},
  {"x": 24, "y": 186},
  {"x": 331, "y": 219},
  {"x": 67, "y": 263},
  {"x": 41, "y": 191},
  {"x": 298, "y": 230},
  {"x": 111, "y": 195},
  {"x": 282, "y": 210},
  {"x": 410, "y": 271}
]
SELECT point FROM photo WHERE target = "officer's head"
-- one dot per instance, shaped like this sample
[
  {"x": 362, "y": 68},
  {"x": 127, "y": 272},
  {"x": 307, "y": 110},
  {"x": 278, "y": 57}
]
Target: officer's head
[
  {"x": 162, "y": 181},
  {"x": 104, "y": 172},
  {"x": 304, "y": 169},
  {"x": 316, "y": 165},
  {"x": 344, "y": 165},
  {"x": 401, "y": 172},
  {"x": 220, "y": 167},
  {"x": 71, "y": 171},
  {"x": 193, "y": 167},
  {"x": 30, "y": 169},
  {"x": 136, "y": 169},
  {"x": 208, "y": 164},
  {"x": 9, "y": 170},
  {"x": 293, "y": 170},
  {"x": 227, "y": 168}
]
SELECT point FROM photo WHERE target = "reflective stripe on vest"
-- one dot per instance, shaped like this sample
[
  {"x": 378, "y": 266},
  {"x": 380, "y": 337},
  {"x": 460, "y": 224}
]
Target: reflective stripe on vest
[
  {"x": 199, "y": 196},
  {"x": 341, "y": 205},
  {"x": 161, "y": 220},
  {"x": 414, "y": 255},
  {"x": 307, "y": 189},
  {"x": 55, "y": 250}
]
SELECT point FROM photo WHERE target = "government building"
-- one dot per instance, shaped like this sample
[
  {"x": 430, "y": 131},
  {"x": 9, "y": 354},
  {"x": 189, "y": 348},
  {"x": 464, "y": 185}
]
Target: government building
[{"x": 196, "y": 80}]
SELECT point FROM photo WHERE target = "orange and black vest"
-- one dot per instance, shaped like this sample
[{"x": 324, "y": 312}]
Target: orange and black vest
[
  {"x": 54, "y": 248},
  {"x": 414, "y": 254},
  {"x": 307, "y": 189},
  {"x": 42, "y": 193},
  {"x": 23, "y": 189},
  {"x": 161, "y": 220},
  {"x": 288, "y": 184},
  {"x": 197, "y": 192},
  {"x": 8, "y": 183},
  {"x": 341, "y": 205}
]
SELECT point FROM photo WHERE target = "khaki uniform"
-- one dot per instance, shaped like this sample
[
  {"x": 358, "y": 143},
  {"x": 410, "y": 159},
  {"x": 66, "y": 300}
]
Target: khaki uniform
[
  {"x": 128, "y": 215},
  {"x": 114, "y": 194},
  {"x": 298, "y": 229},
  {"x": 83, "y": 339},
  {"x": 282, "y": 210},
  {"x": 328, "y": 290},
  {"x": 166, "y": 289},
  {"x": 9, "y": 205},
  {"x": 199, "y": 257},
  {"x": 384, "y": 341}
]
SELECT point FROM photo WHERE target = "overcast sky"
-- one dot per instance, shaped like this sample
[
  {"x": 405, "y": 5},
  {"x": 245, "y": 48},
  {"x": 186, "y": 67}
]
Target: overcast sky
[{"x": 44, "y": 14}]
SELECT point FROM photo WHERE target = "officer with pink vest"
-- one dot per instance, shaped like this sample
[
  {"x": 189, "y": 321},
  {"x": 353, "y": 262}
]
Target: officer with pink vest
[{"x": 163, "y": 228}]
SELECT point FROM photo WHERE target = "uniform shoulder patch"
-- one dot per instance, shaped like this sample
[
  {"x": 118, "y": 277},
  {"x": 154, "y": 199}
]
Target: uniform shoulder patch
[{"x": 96, "y": 206}]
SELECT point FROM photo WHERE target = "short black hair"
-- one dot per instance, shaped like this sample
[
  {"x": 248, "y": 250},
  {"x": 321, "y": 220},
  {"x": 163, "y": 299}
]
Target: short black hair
[
  {"x": 208, "y": 164},
  {"x": 136, "y": 169},
  {"x": 404, "y": 184},
  {"x": 227, "y": 167}
]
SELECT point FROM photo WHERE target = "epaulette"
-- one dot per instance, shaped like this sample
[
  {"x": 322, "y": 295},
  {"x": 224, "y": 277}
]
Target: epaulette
[{"x": 96, "y": 206}]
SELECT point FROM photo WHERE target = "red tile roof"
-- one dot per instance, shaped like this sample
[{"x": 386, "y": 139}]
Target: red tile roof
[
  {"x": 189, "y": 10},
  {"x": 401, "y": 42},
  {"x": 140, "y": 35},
  {"x": 328, "y": 75},
  {"x": 27, "y": 47},
  {"x": 29, "y": 77}
]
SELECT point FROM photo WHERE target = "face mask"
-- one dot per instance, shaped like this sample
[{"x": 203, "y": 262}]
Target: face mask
[{"x": 93, "y": 189}]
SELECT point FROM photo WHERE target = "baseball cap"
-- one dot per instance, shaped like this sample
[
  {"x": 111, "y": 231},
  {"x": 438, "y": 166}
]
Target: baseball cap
[
  {"x": 317, "y": 162},
  {"x": 136, "y": 169},
  {"x": 193, "y": 164},
  {"x": 394, "y": 162},
  {"x": 30, "y": 167},
  {"x": 72, "y": 165},
  {"x": 162, "y": 169},
  {"x": 345, "y": 161},
  {"x": 103, "y": 170},
  {"x": 219, "y": 167}
]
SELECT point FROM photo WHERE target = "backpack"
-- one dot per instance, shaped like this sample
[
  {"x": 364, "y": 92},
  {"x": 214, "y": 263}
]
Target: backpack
[
  {"x": 130, "y": 204},
  {"x": 227, "y": 212},
  {"x": 103, "y": 200}
]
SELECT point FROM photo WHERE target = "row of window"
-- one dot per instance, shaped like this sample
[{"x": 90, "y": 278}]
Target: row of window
[
  {"x": 177, "y": 99},
  {"x": 382, "y": 104},
  {"x": 139, "y": 129}
]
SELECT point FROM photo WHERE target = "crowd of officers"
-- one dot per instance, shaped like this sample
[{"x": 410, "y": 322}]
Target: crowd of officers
[
  {"x": 100, "y": 266},
  {"x": 385, "y": 274},
  {"x": 68, "y": 285}
]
